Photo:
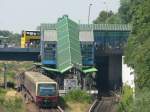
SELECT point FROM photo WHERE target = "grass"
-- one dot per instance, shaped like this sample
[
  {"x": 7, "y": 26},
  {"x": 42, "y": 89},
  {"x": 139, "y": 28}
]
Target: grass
[
  {"x": 2, "y": 95},
  {"x": 126, "y": 99},
  {"x": 15, "y": 105},
  {"x": 12, "y": 104},
  {"x": 13, "y": 68},
  {"x": 77, "y": 107},
  {"x": 78, "y": 96},
  {"x": 76, "y": 101}
]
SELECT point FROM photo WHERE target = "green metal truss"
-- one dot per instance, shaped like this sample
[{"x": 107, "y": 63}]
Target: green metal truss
[{"x": 68, "y": 45}]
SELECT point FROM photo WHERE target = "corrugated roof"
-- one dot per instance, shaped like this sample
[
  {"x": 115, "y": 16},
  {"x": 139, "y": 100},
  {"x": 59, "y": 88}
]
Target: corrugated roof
[
  {"x": 89, "y": 70},
  {"x": 86, "y": 27},
  {"x": 37, "y": 77},
  {"x": 46, "y": 26},
  {"x": 50, "y": 69}
]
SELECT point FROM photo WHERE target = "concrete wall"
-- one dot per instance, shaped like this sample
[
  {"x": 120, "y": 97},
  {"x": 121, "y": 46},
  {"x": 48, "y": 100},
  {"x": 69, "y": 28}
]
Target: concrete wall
[
  {"x": 127, "y": 75},
  {"x": 115, "y": 71}
]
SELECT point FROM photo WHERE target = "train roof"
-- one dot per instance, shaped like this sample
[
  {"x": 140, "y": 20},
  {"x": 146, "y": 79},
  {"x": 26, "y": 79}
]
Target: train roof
[{"x": 38, "y": 77}]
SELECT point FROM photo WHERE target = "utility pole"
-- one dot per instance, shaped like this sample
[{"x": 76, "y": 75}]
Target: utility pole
[
  {"x": 5, "y": 77},
  {"x": 89, "y": 13}
]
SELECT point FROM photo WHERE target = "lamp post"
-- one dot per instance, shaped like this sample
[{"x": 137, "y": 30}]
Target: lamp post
[{"x": 89, "y": 12}]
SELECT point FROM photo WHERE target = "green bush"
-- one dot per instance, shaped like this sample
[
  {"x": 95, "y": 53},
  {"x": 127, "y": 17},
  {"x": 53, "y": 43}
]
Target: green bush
[
  {"x": 126, "y": 103},
  {"x": 78, "y": 96},
  {"x": 11, "y": 75},
  {"x": 142, "y": 100}
]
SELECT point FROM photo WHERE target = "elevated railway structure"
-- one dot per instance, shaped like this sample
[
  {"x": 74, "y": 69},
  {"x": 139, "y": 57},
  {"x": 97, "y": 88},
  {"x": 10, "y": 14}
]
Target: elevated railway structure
[
  {"x": 98, "y": 46},
  {"x": 101, "y": 47},
  {"x": 19, "y": 54}
]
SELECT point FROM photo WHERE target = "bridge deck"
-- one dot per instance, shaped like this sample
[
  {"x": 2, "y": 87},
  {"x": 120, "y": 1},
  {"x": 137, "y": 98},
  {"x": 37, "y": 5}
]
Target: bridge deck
[
  {"x": 32, "y": 54},
  {"x": 33, "y": 50},
  {"x": 19, "y": 54}
]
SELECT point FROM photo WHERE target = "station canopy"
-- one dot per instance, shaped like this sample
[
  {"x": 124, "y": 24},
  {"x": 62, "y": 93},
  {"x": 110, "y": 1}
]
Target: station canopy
[
  {"x": 50, "y": 69},
  {"x": 89, "y": 70}
]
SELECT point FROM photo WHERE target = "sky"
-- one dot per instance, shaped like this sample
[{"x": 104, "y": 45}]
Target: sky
[{"x": 18, "y": 15}]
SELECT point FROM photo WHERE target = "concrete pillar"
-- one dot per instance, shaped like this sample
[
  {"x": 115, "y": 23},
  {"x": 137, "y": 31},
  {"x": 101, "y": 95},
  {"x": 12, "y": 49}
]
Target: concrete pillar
[{"x": 115, "y": 72}]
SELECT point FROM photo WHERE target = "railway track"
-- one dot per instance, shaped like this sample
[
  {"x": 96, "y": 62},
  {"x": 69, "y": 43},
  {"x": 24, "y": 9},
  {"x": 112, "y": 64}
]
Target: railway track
[
  {"x": 58, "y": 109},
  {"x": 105, "y": 104}
]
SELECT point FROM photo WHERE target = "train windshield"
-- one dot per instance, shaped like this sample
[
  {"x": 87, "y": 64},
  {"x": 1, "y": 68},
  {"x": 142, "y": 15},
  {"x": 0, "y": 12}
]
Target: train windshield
[{"x": 47, "y": 89}]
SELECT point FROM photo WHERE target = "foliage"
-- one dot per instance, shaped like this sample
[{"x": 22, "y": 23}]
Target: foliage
[
  {"x": 2, "y": 93},
  {"x": 13, "y": 38},
  {"x": 126, "y": 103},
  {"x": 137, "y": 50},
  {"x": 125, "y": 11},
  {"x": 78, "y": 96},
  {"x": 14, "y": 104},
  {"x": 142, "y": 101},
  {"x": 5, "y": 33},
  {"x": 114, "y": 19},
  {"x": 107, "y": 17},
  {"x": 137, "y": 53},
  {"x": 124, "y": 15}
]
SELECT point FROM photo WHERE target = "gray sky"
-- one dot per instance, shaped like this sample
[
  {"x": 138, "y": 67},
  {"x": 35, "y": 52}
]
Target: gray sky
[{"x": 18, "y": 15}]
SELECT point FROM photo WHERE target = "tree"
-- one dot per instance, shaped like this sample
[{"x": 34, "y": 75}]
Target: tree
[
  {"x": 125, "y": 11},
  {"x": 137, "y": 53},
  {"x": 124, "y": 14},
  {"x": 13, "y": 38},
  {"x": 114, "y": 19},
  {"x": 107, "y": 17}
]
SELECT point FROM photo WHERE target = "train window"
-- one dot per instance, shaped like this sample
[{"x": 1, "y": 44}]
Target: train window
[
  {"x": 28, "y": 33},
  {"x": 34, "y": 33},
  {"x": 31, "y": 33},
  {"x": 47, "y": 89}
]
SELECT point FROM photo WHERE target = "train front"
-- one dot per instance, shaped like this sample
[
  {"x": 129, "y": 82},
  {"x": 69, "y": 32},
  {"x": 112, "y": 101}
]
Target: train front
[{"x": 47, "y": 95}]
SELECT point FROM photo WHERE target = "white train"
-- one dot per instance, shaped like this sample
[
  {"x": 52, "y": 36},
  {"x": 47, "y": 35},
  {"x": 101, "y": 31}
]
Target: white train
[{"x": 42, "y": 89}]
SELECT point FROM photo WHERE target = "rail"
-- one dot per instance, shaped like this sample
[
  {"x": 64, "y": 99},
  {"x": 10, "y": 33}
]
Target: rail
[
  {"x": 93, "y": 105},
  {"x": 57, "y": 109},
  {"x": 105, "y": 103}
]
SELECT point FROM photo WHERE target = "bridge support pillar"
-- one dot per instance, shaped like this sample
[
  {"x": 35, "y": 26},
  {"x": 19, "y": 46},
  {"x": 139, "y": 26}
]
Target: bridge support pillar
[{"x": 115, "y": 72}]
